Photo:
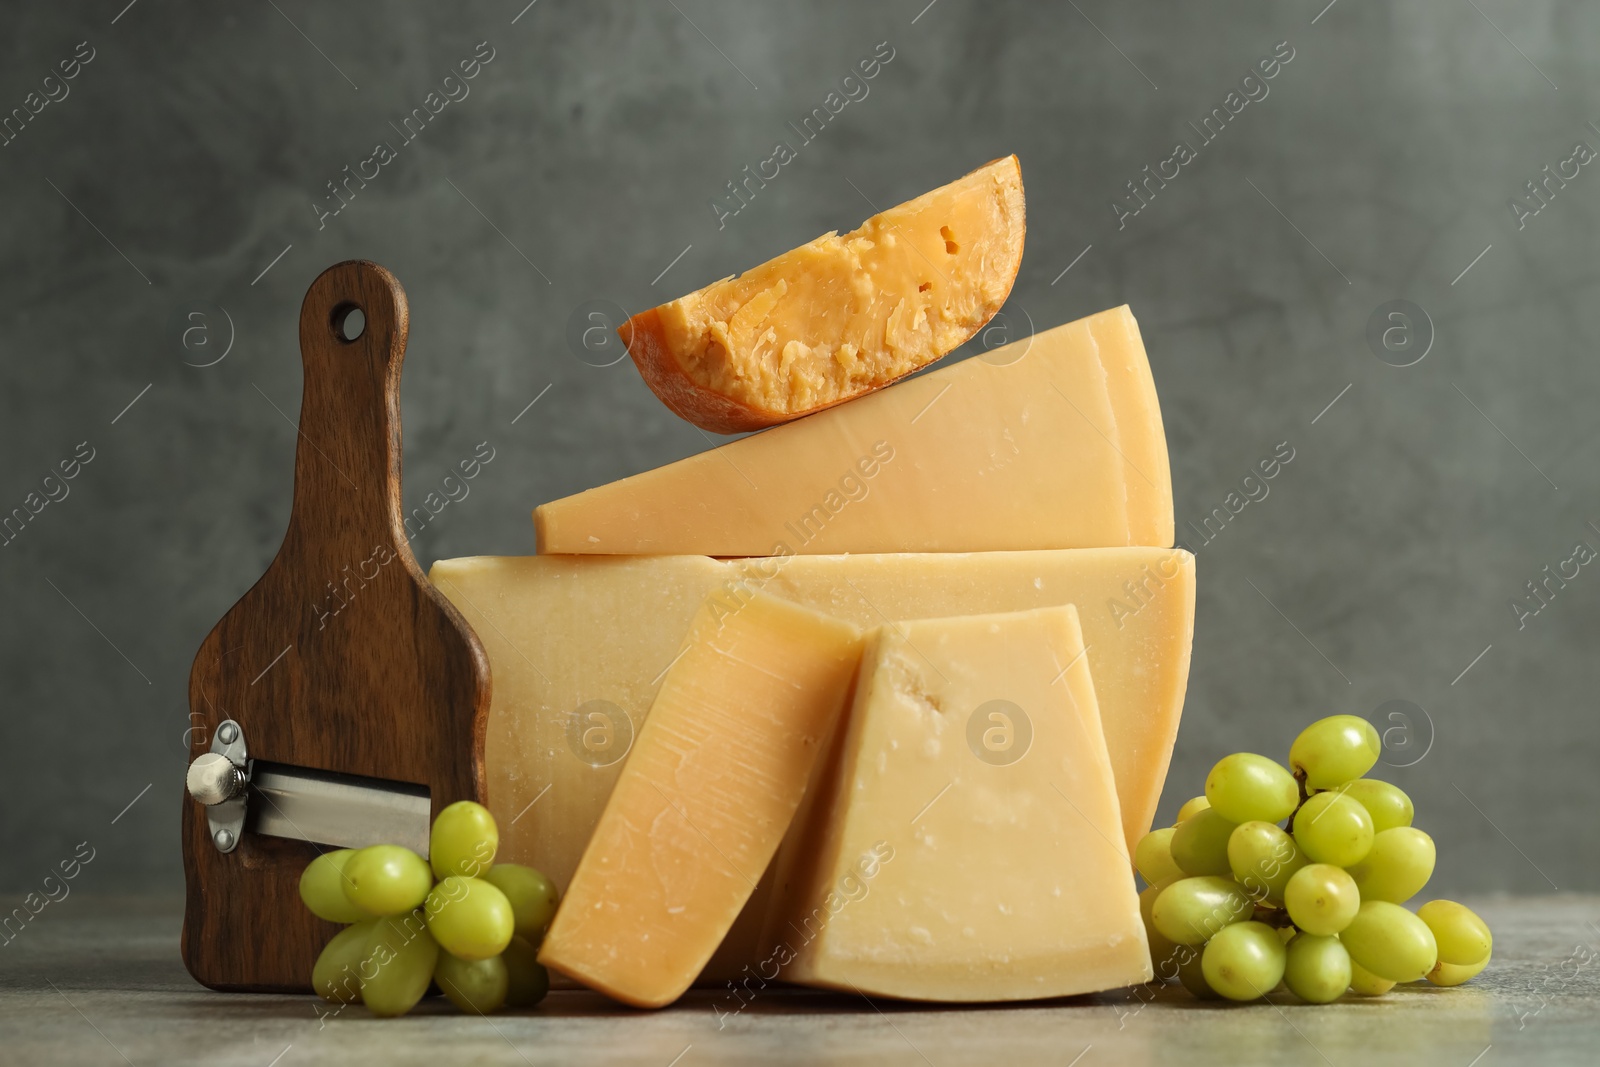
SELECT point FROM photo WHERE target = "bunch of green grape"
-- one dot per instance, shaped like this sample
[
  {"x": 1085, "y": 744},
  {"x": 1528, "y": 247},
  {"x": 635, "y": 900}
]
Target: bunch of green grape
[
  {"x": 1237, "y": 903},
  {"x": 457, "y": 920}
]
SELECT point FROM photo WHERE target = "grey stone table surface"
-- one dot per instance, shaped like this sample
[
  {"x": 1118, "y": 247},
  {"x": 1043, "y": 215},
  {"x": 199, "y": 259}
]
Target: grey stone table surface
[{"x": 98, "y": 981}]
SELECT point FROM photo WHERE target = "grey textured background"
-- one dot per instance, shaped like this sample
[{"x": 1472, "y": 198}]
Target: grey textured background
[{"x": 190, "y": 151}]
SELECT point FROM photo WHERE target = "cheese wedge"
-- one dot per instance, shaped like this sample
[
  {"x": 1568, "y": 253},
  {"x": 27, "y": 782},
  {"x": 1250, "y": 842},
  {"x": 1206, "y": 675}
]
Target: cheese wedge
[
  {"x": 1054, "y": 441},
  {"x": 969, "y": 846},
  {"x": 840, "y": 316},
  {"x": 705, "y": 797},
  {"x": 579, "y": 647}
]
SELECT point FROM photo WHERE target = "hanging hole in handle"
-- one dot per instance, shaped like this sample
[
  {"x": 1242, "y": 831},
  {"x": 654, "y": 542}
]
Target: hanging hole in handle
[{"x": 349, "y": 322}]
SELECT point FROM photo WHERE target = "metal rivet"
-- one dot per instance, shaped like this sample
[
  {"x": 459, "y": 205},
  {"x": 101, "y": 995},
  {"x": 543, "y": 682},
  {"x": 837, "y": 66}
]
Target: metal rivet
[
  {"x": 228, "y": 734},
  {"x": 223, "y": 838}
]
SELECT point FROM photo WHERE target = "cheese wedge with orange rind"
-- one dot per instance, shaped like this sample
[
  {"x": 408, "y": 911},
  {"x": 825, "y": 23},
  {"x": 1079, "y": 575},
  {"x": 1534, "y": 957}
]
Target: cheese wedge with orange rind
[{"x": 841, "y": 315}]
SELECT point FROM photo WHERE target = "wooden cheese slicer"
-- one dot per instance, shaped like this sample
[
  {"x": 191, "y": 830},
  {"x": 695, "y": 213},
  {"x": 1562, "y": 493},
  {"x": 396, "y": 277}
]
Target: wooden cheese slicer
[{"x": 343, "y": 700}]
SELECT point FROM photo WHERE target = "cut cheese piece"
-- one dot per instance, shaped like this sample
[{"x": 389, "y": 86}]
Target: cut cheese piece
[
  {"x": 840, "y": 316},
  {"x": 578, "y": 647},
  {"x": 705, "y": 797},
  {"x": 969, "y": 847},
  {"x": 1054, "y": 441}
]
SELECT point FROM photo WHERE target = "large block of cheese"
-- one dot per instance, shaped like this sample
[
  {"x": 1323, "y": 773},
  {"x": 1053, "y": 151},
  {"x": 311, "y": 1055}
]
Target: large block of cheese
[
  {"x": 578, "y": 647},
  {"x": 1054, "y": 441},
  {"x": 969, "y": 845},
  {"x": 705, "y": 797}
]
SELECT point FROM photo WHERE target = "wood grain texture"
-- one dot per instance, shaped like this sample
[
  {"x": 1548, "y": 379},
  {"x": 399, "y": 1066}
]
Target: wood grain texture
[{"x": 342, "y": 657}]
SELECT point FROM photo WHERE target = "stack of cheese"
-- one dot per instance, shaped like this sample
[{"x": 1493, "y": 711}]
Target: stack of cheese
[{"x": 875, "y": 700}]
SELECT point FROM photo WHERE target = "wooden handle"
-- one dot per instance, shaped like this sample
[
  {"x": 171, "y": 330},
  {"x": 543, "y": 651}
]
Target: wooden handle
[
  {"x": 341, "y": 657},
  {"x": 347, "y": 461}
]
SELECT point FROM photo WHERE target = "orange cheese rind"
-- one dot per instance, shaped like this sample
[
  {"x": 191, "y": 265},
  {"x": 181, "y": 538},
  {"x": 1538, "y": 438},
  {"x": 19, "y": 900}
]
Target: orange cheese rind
[{"x": 840, "y": 316}]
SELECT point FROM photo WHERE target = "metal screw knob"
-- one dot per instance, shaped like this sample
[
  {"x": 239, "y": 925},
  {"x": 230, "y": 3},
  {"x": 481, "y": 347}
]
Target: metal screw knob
[{"x": 213, "y": 778}]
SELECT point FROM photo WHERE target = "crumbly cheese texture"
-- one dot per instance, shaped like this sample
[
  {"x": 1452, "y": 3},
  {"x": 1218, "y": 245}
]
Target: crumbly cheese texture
[
  {"x": 843, "y": 315},
  {"x": 1053, "y": 441},
  {"x": 968, "y": 846},
  {"x": 580, "y": 646},
  {"x": 705, "y": 797}
]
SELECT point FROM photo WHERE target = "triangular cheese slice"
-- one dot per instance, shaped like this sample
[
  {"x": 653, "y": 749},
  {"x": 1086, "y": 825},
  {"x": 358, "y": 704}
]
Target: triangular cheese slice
[{"x": 967, "y": 844}]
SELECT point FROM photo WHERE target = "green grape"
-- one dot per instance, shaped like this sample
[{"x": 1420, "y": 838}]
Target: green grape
[
  {"x": 1387, "y": 804},
  {"x": 1191, "y": 973},
  {"x": 1463, "y": 938},
  {"x": 1390, "y": 942},
  {"x": 1147, "y": 901},
  {"x": 1263, "y": 858},
  {"x": 1152, "y": 856},
  {"x": 470, "y": 918},
  {"x": 1365, "y": 982},
  {"x": 1399, "y": 865},
  {"x": 1335, "y": 750},
  {"x": 1244, "y": 961},
  {"x": 1192, "y": 807},
  {"x": 1200, "y": 844},
  {"x": 337, "y": 974},
  {"x": 533, "y": 897},
  {"x": 1191, "y": 910},
  {"x": 1321, "y": 899},
  {"x": 527, "y": 980},
  {"x": 398, "y": 965},
  {"x": 322, "y": 888},
  {"x": 1245, "y": 787},
  {"x": 1332, "y": 828},
  {"x": 1317, "y": 969},
  {"x": 1453, "y": 974},
  {"x": 464, "y": 840},
  {"x": 386, "y": 879},
  {"x": 1161, "y": 946},
  {"x": 477, "y": 987}
]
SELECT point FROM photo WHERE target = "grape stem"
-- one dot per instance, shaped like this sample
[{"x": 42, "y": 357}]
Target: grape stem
[{"x": 1299, "y": 780}]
